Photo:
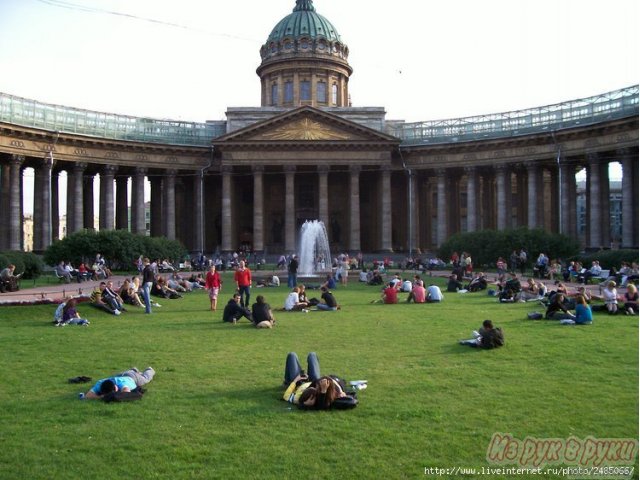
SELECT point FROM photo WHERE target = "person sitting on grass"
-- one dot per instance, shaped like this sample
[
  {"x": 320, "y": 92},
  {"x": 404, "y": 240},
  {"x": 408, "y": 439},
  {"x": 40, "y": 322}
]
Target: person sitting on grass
[
  {"x": 557, "y": 309},
  {"x": 418, "y": 293},
  {"x": 126, "y": 381},
  {"x": 479, "y": 282},
  {"x": 129, "y": 295},
  {"x": 434, "y": 294},
  {"x": 328, "y": 303},
  {"x": 234, "y": 311},
  {"x": 376, "y": 278},
  {"x": 98, "y": 302},
  {"x": 293, "y": 304},
  {"x": 631, "y": 300},
  {"x": 389, "y": 295},
  {"x": 69, "y": 315},
  {"x": 454, "y": 284},
  {"x": 110, "y": 297},
  {"x": 262, "y": 314},
  {"x": 313, "y": 391},
  {"x": 610, "y": 297},
  {"x": 487, "y": 337},
  {"x": 584, "y": 316}
]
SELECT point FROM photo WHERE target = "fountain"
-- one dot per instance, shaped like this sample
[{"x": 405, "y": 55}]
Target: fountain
[{"x": 315, "y": 257}]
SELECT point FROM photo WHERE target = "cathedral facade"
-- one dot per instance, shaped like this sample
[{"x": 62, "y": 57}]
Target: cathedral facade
[{"x": 306, "y": 153}]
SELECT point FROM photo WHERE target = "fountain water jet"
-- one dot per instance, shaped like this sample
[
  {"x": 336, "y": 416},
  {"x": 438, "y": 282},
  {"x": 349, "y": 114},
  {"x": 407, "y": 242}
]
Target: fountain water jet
[{"x": 315, "y": 256}]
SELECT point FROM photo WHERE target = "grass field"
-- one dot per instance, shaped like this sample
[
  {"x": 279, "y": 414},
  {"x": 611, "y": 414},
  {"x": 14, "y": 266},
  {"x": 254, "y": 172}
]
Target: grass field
[{"x": 214, "y": 408}]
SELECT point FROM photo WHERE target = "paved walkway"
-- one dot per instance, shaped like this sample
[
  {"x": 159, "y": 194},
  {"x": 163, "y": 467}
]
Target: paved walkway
[{"x": 53, "y": 292}]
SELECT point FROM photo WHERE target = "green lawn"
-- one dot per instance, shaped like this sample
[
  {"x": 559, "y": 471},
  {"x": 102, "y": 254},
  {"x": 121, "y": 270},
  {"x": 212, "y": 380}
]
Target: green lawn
[{"x": 214, "y": 408}]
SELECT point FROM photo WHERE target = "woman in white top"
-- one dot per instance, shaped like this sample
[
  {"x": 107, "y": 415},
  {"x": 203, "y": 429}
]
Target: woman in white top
[{"x": 610, "y": 297}]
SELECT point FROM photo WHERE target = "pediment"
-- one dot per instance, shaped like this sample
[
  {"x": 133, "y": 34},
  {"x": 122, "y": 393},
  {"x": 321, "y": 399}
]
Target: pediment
[{"x": 305, "y": 124}]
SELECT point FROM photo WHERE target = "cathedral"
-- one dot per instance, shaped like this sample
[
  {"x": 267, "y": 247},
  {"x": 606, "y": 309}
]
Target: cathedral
[{"x": 305, "y": 153}]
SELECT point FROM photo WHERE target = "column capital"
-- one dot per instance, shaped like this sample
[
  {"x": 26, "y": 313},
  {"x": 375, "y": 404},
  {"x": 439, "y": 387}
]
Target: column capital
[
  {"x": 171, "y": 172},
  {"x": 441, "y": 172},
  {"x": 624, "y": 152},
  {"x": 593, "y": 158},
  {"x": 226, "y": 169},
  {"x": 109, "y": 169},
  {"x": 323, "y": 168},
  {"x": 385, "y": 168},
  {"x": 257, "y": 168},
  {"x": 16, "y": 159},
  {"x": 289, "y": 168},
  {"x": 470, "y": 170},
  {"x": 78, "y": 167},
  {"x": 355, "y": 169},
  {"x": 502, "y": 167},
  {"x": 530, "y": 165},
  {"x": 141, "y": 171}
]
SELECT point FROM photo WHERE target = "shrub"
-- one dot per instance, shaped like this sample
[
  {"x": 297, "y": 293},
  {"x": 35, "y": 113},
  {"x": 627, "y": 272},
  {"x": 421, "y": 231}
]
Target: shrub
[
  {"x": 608, "y": 258},
  {"x": 119, "y": 247},
  {"x": 27, "y": 263},
  {"x": 487, "y": 245}
]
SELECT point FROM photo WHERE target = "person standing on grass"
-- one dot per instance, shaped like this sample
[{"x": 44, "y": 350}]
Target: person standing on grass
[
  {"x": 242, "y": 278},
  {"x": 292, "y": 278},
  {"x": 148, "y": 277},
  {"x": 213, "y": 284}
]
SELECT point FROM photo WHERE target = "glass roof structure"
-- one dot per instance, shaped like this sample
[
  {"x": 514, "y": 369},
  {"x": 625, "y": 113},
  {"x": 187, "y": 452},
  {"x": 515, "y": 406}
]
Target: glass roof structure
[{"x": 613, "y": 105}]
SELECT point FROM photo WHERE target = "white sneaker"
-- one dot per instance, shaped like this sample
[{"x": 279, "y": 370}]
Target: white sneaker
[
  {"x": 116, "y": 312},
  {"x": 305, "y": 310},
  {"x": 157, "y": 305}
]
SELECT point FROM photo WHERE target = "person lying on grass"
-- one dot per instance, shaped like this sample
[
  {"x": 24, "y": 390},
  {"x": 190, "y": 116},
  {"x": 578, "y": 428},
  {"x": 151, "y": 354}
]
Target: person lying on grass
[
  {"x": 313, "y": 391},
  {"x": 487, "y": 337},
  {"x": 126, "y": 381}
]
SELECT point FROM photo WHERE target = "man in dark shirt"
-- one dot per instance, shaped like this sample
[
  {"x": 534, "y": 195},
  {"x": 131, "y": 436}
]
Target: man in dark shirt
[
  {"x": 234, "y": 311},
  {"x": 329, "y": 301},
  {"x": 292, "y": 278}
]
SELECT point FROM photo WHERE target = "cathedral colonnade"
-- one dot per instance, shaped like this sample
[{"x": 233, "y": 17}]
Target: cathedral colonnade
[{"x": 365, "y": 207}]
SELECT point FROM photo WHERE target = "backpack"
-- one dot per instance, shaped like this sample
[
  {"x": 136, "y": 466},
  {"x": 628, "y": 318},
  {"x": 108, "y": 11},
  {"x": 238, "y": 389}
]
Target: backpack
[{"x": 135, "y": 394}]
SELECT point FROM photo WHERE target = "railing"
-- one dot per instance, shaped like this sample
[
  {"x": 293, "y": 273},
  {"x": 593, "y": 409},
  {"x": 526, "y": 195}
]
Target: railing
[
  {"x": 608, "y": 106},
  {"x": 30, "y": 113},
  {"x": 587, "y": 111}
]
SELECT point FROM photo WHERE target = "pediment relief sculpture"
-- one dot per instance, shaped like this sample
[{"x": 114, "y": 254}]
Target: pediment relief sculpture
[{"x": 305, "y": 129}]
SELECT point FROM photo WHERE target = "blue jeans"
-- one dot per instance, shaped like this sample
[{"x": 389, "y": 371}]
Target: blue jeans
[
  {"x": 245, "y": 294},
  {"x": 292, "y": 280},
  {"x": 293, "y": 368},
  {"x": 325, "y": 307},
  {"x": 146, "y": 293}
]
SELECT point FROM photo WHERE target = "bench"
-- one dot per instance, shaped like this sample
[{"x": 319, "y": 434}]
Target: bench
[{"x": 602, "y": 277}]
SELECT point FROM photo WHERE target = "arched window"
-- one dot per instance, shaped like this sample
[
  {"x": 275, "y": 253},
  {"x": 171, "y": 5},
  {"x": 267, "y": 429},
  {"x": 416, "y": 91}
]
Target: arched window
[
  {"x": 288, "y": 92},
  {"x": 334, "y": 94},
  {"x": 274, "y": 94}
]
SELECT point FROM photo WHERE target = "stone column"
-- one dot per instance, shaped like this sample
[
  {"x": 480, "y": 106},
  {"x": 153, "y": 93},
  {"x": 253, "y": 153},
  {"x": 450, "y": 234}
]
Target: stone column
[
  {"x": 532, "y": 194},
  {"x": 198, "y": 211},
  {"x": 15, "y": 220},
  {"x": 55, "y": 206},
  {"x": 37, "y": 208},
  {"x": 42, "y": 199},
  {"x": 106, "y": 197},
  {"x": 472, "y": 188},
  {"x": 605, "y": 204},
  {"x": 554, "y": 212},
  {"x": 354, "y": 209},
  {"x": 227, "y": 213},
  {"x": 258, "y": 208},
  {"x": 5, "y": 189},
  {"x": 156, "y": 206},
  {"x": 169, "y": 204},
  {"x": 71, "y": 201},
  {"x": 138, "y": 220},
  {"x": 385, "y": 210},
  {"x": 323, "y": 194},
  {"x": 595, "y": 213},
  {"x": 78, "y": 202},
  {"x": 441, "y": 207},
  {"x": 415, "y": 214},
  {"x": 567, "y": 175},
  {"x": 501, "y": 196},
  {"x": 628, "y": 218},
  {"x": 122, "y": 202},
  {"x": 290, "y": 209},
  {"x": 87, "y": 202}
]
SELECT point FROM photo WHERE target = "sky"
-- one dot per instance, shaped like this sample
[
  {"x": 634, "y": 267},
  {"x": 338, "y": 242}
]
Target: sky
[{"x": 420, "y": 59}]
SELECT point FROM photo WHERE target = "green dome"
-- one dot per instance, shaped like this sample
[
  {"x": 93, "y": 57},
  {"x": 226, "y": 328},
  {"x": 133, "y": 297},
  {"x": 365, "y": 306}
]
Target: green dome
[{"x": 304, "y": 22}]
